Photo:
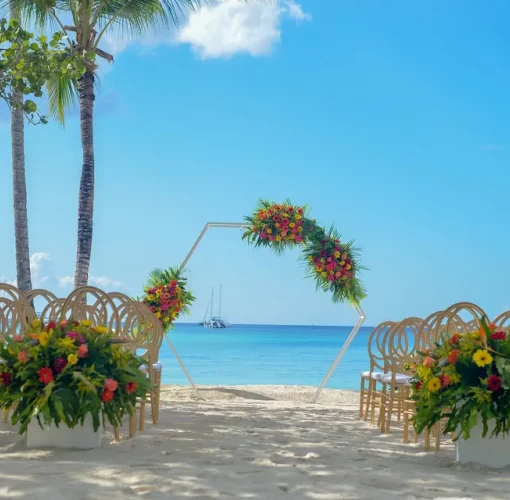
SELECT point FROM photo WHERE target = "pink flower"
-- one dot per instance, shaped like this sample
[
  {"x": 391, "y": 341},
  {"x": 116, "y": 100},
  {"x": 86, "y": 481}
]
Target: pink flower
[
  {"x": 299, "y": 238},
  {"x": 110, "y": 384},
  {"x": 152, "y": 290},
  {"x": 83, "y": 351},
  {"x": 331, "y": 277},
  {"x": 165, "y": 306},
  {"x": 18, "y": 338},
  {"x": 72, "y": 335},
  {"x": 429, "y": 362}
]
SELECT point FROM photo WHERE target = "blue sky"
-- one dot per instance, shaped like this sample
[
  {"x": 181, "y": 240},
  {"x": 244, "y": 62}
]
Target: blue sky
[{"x": 390, "y": 119}]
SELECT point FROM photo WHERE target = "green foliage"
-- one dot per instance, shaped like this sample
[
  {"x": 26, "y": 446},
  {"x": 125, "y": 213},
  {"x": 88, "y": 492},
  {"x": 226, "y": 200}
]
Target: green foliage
[
  {"x": 60, "y": 373},
  {"x": 27, "y": 63}
]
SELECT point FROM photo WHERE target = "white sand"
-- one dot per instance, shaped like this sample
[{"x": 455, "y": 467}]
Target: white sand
[{"x": 253, "y": 442}]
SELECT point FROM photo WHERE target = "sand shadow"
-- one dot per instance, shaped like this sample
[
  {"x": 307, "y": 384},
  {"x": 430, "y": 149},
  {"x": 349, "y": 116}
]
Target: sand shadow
[{"x": 238, "y": 393}]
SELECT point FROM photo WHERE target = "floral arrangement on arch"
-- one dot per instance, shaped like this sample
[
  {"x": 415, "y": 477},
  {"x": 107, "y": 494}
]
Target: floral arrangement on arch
[
  {"x": 333, "y": 264},
  {"x": 463, "y": 379},
  {"x": 61, "y": 372},
  {"x": 166, "y": 295}
]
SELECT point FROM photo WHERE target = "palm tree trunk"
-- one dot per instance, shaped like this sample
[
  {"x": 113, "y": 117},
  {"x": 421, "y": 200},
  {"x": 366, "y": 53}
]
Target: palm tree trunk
[
  {"x": 20, "y": 198},
  {"x": 86, "y": 197},
  {"x": 19, "y": 189}
]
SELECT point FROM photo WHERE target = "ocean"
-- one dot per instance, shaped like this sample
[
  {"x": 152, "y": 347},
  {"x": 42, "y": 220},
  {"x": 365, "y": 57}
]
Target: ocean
[{"x": 264, "y": 355}]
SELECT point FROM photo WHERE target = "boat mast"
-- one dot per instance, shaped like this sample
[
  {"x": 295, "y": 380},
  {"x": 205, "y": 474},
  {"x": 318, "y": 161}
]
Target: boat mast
[
  {"x": 219, "y": 309},
  {"x": 212, "y": 302}
]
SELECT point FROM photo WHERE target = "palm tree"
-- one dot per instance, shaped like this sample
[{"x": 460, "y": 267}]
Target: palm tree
[
  {"x": 19, "y": 188},
  {"x": 91, "y": 21}
]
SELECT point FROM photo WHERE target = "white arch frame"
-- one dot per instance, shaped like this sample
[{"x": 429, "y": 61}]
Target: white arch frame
[{"x": 348, "y": 341}]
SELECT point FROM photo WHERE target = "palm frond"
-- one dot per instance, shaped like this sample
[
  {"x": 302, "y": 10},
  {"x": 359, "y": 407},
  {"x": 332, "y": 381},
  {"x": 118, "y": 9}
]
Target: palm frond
[{"x": 62, "y": 93}]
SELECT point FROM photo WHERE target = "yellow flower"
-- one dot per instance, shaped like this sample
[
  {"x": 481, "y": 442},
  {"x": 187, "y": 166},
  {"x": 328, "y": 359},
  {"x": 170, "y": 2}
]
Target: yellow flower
[
  {"x": 101, "y": 329},
  {"x": 72, "y": 359},
  {"x": 324, "y": 274},
  {"x": 269, "y": 231},
  {"x": 323, "y": 260},
  {"x": 297, "y": 217},
  {"x": 331, "y": 272},
  {"x": 44, "y": 338},
  {"x": 292, "y": 224},
  {"x": 348, "y": 267},
  {"x": 342, "y": 263},
  {"x": 158, "y": 315},
  {"x": 35, "y": 323},
  {"x": 319, "y": 269},
  {"x": 300, "y": 229},
  {"x": 86, "y": 322},
  {"x": 277, "y": 224},
  {"x": 150, "y": 297},
  {"x": 482, "y": 358},
  {"x": 278, "y": 238},
  {"x": 11, "y": 351},
  {"x": 434, "y": 384},
  {"x": 167, "y": 319},
  {"x": 158, "y": 293},
  {"x": 337, "y": 254},
  {"x": 292, "y": 236},
  {"x": 454, "y": 379}
]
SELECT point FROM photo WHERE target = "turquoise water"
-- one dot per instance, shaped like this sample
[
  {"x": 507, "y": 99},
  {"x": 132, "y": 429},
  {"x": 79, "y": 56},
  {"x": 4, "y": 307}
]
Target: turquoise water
[{"x": 257, "y": 354}]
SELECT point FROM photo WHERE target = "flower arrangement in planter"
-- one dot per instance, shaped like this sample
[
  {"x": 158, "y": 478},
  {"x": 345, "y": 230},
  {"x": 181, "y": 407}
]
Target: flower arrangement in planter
[
  {"x": 167, "y": 296},
  {"x": 63, "y": 373},
  {"x": 465, "y": 379},
  {"x": 333, "y": 265}
]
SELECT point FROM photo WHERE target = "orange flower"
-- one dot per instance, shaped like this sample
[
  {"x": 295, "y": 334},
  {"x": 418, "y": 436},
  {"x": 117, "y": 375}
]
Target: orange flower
[{"x": 429, "y": 362}]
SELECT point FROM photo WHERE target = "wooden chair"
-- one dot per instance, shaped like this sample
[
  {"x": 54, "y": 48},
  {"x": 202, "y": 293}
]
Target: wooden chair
[
  {"x": 395, "y": 383},
  {"x": 376, "y": 367}
]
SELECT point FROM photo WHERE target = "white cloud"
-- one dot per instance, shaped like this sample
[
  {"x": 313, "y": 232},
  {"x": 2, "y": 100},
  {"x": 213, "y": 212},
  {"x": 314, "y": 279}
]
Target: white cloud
[
  {"x": 44, "y": 276},
  {"x": 295, "y": 11},
  {"x": 221, "y": 30},
  {"x": 231, "y": 27},
  {"x": 66, "y": 281},
  {"x": 104, "y": 282}
]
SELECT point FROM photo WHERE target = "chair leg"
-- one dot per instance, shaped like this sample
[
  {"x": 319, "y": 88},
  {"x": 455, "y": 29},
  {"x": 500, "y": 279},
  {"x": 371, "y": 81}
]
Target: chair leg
[
  {"x": 361, "y": 397},
  {"x": 132, "y": 425},
  {"x": 6, "y": 416},
  {"x": 116, "y": 434},
  {"x": 141, "y": 427},
  {"x": 369, "y": 398},
  {"x": 390, "y": 410},
  {"x": 406, "y": 427}
]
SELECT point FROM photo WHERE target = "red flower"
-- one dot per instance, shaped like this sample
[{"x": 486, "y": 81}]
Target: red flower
[
  {"x": 494, "y": 383},
  {"x": 45, "y": 375},
  {"x": 498, "y": 336},
  {"x": 331, "y": 277},
  {"x": 455, "y": 339},
  {"x": 59, "y": 364},
  {"x": 418, "y": 385},
  {"x": 131, "y": 387},
  {"x": 51, "y": 325},
  {"x": 107, "y": 396},
  {"x": 445, "y": 380},
  {"x": 110, "y": 385},
  {"x": 6, "y": 379},
  {"x": 452, "y": 357},
  {"x": 83, "y": 351}
]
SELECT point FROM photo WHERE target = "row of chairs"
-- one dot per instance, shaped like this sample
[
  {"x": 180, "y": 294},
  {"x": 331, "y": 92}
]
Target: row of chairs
[
  {"x": 128, "y": 318},
  {"x": 392, "y": 347}
]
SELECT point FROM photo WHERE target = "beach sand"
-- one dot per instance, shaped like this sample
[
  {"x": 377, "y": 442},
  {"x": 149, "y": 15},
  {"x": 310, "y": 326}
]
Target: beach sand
[{"x": 249, "y": 442}]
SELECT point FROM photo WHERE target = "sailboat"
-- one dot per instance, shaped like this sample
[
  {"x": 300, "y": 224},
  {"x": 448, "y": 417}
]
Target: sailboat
[{"x": 214, "y": 321}]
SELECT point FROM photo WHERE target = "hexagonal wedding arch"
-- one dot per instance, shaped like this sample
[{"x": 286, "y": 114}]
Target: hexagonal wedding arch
[{"x": 333, "y": 264}]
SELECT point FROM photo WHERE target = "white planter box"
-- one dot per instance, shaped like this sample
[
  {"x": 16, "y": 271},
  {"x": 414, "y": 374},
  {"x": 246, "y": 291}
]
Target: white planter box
[
  {"x": 491, "y": 452},
  {"x": 62, "y": 436}
]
